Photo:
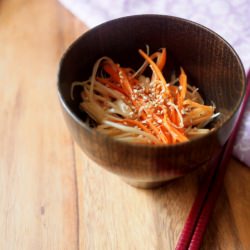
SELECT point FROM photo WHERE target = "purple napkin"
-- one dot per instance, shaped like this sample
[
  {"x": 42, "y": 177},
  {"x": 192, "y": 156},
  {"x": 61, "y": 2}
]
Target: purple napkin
[{"x": 229, "y": 18}]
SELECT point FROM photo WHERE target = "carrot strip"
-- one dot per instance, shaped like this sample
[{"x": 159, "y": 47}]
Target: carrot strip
[
  {"x": 118, "y": 75},
  {"x": 111, "y": 69},
  {"x": 153, "y": 127},
  {"x": 156, "y": 69},
  {"x": 125, "y": 82},
  {"x": 163, "y": 136},
  {"x": 145, "y": 64},
  {"x": 161, "y": 60},
  {"x": 176, "y": 133},
  {"x": 138, "y": 124},
  {"x": 167, "y": 134},
  {"x": 110, "y": 84},
  {"x": 183, "y": 86},
  {"x": 172, "y": 115}
]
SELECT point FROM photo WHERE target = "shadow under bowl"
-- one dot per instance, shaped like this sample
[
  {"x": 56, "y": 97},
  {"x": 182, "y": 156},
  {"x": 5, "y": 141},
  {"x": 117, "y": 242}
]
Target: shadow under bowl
[{"x": 210, "y": 63}]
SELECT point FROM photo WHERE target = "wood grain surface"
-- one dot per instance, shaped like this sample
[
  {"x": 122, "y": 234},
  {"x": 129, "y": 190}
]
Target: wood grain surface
[{"x": 51, "y": 195}]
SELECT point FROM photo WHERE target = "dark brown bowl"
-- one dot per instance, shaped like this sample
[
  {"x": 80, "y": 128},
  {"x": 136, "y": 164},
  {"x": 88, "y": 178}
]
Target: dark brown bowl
[{"x": 211, "y": 64}]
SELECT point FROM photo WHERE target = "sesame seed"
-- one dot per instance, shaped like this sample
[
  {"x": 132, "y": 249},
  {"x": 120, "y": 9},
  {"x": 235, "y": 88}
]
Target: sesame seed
[{"x": 120, "y": 74}]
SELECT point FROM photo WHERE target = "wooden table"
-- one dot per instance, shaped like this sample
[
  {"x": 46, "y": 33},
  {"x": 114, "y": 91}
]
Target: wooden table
[{"x": 51, "y": 195}]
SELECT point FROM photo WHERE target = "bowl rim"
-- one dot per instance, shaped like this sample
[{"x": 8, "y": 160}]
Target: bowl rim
[{"x": 179, "y": 19}]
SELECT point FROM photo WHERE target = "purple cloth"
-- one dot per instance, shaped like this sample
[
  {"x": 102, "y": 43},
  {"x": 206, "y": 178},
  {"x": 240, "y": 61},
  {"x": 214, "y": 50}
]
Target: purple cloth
[
  {"x": 229, "y": 18},
  {"x": 242, "y": 144}
]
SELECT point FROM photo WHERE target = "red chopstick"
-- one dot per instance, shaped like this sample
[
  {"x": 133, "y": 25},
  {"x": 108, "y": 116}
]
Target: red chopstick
[{"x": 194, "y": 229}]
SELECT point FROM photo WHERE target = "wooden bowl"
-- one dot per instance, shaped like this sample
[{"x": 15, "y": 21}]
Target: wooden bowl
[{"x": 211, "y": 64}]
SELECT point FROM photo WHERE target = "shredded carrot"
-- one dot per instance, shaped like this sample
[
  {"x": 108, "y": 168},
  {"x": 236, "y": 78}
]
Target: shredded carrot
[
  {"x": 110, "y": 84},
  {"x": 156, "y": 69},
  {"x": 111, "y": 69},
  {"x": 131, "y": 106},
  {"x": 176, "y": 133},
  {"x": 136, "y": 123},
  {"x": 161, "y": 61},
  {"x": 125, "y": 82},
  {"x": 183, "y": 86}
]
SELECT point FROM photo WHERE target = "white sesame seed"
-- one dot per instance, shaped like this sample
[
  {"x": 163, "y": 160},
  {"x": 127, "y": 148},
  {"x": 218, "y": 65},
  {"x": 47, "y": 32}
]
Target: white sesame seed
[{"x": 120, "y": 74}]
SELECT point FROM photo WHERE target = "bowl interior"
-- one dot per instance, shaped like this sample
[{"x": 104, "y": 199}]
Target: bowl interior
[{"x": 211, "y": 64}]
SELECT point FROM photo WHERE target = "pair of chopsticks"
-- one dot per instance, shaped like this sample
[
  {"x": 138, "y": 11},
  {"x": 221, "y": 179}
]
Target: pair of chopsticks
[{"x": 194, "y": 229}]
